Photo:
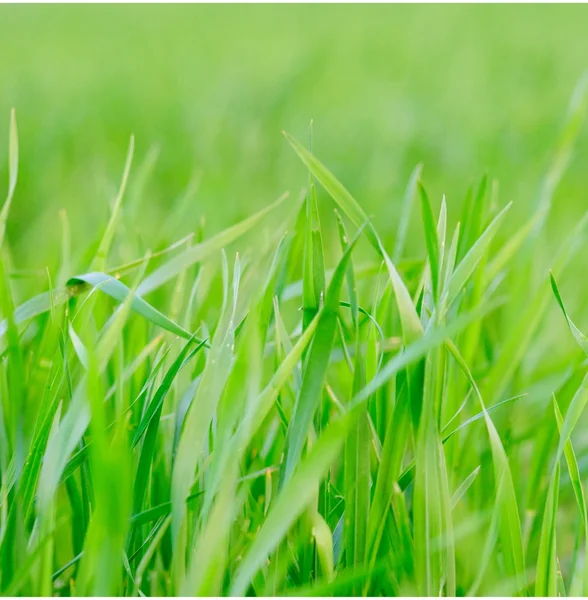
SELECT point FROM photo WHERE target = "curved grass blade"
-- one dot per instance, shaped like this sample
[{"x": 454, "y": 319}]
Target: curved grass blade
[
  {"x": 578, "y": 335},
  {"x": 119, "y": 291}
]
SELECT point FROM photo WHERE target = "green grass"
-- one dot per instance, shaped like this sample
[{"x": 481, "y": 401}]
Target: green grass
[{"x": 374, "y": 384}]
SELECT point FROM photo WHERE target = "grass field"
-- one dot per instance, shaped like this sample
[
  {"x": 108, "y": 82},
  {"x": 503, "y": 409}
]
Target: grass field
[{"x": 292, "y": 300}]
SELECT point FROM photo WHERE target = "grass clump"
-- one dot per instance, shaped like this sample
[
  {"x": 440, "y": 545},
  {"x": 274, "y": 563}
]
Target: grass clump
[{"x": 313, "y": 414}]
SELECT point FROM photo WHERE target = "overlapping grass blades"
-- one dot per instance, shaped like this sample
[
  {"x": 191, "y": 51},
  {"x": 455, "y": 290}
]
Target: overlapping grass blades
[{"x": 358, "y": 436}]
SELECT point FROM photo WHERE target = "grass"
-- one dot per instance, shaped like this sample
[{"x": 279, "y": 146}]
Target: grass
[{"x": 319, "y": 395}]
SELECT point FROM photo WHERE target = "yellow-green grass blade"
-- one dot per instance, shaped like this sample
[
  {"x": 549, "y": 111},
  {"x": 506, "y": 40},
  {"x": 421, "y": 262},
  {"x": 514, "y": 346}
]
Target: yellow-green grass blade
[
  {"x": 99, "y": 260},
  {"x": 12, "y": 174}
]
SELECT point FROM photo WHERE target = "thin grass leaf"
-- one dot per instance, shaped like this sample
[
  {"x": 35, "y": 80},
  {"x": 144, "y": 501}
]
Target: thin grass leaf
[
  {"x": 578, "y": 335},
  {"x": 464, "y": 486},
  {"x": 203, "y": 250},
  {"x": 431, "y": 239},
  {"x": 404, "y": 220},
  {"x": 12, "y": 174},
  {"x": 99, "y": 261}
]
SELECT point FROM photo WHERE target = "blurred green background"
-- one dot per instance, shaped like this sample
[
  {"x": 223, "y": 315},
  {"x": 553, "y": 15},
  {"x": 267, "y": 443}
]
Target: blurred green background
[{"x": 464, "y": 89}]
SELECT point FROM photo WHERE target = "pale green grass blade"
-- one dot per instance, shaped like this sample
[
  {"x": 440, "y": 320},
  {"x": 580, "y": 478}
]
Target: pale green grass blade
[
  {"x": 450, "y": 258},
  {"x": 12, "y": 174},
  {"x": 464, "y": 486},
  {"x": 351, "y": 281},
  {"x": 79, "y": 347},
  {"x": 119, "y": 291},
  {"x": 324, "y": 546},
  {"x": 81, "y": 283},
  {"x": 99, "y": 261},
  {"x": 427, "y": 509},
  {"x": 201, "y": 251},
  {"x": 403, "y": 222}
]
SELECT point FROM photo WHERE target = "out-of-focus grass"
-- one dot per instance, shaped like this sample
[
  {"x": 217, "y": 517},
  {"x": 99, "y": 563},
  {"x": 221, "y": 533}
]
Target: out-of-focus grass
[
  {"x": 460, "y": 88},
  {"x": 204, "y": 393}
]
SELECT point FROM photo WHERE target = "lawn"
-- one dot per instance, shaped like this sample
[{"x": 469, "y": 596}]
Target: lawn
[{"x": 292, "y": 300}]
